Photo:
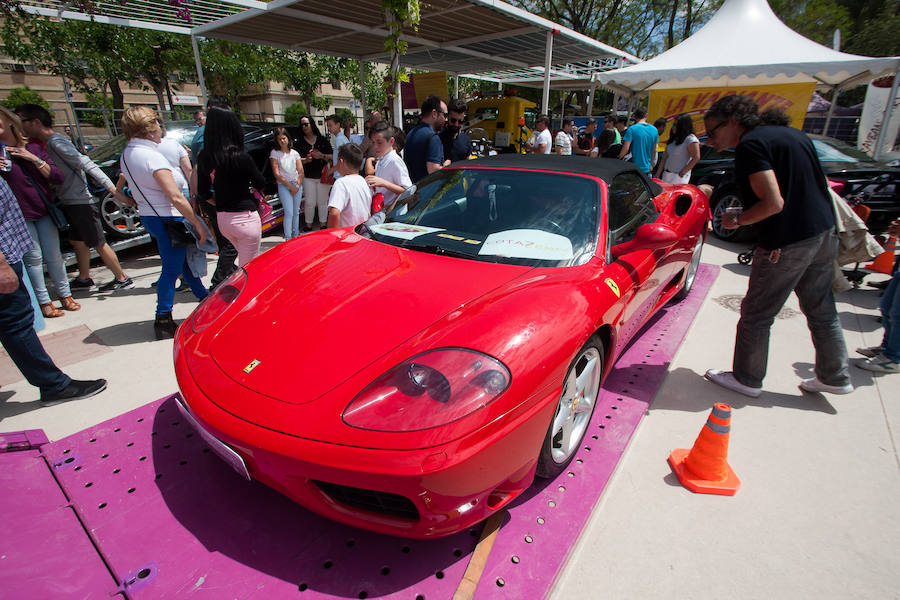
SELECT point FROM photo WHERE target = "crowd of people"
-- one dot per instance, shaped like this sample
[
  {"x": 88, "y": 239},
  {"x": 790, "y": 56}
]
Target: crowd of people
[{"x": 209, "y": 200}]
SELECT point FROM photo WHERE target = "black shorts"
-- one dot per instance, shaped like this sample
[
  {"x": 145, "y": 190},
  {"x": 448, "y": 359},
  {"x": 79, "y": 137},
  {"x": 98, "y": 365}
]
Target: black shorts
[{"x": 84, "y": 224}]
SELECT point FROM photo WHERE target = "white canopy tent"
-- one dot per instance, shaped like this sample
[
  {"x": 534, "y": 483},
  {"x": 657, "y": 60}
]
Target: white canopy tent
[{"x": 745, "y": 43}]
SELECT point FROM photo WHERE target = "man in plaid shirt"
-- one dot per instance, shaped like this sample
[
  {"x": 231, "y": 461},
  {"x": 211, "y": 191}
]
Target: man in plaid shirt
[{"x": 17, "y": 315}]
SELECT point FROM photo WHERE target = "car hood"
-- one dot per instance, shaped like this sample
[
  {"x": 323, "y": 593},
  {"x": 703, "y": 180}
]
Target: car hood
[{"x": 338, "y": 308}]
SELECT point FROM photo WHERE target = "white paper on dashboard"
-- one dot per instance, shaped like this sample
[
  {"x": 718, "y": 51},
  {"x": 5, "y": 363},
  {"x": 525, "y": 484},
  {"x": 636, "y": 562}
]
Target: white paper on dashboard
[
  {"x": 528, "y": 243},
  {"x": 402, "y": 230}
]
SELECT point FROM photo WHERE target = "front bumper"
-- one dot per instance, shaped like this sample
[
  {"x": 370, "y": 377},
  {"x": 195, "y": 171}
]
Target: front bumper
[{"x": 431, "y": 492}]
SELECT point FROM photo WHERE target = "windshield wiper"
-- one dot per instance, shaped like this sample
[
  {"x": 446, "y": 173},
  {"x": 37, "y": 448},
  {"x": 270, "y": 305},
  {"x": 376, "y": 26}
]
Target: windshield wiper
[{"x": 435, "y": 249}]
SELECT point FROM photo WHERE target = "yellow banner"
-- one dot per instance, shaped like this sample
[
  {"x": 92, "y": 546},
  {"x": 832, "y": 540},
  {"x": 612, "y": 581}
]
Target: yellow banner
[
  {"x": 428, "y": 84},
  {"x": 792, "y": 97}
]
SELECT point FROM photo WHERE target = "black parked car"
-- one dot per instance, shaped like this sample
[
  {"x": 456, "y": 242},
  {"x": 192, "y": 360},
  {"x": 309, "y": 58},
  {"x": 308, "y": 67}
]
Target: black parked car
[
  {"x": 877, "y": 184},
  {"x": 123, "y": 222}
]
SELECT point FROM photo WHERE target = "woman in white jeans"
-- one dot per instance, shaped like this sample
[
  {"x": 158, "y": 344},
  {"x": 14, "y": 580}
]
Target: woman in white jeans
[
  {"x": 316, "y": 153},
  {"x": 288, "y": 171},
  {"x": 29, "y": 173},
  {"x": 682, "y": 152}
]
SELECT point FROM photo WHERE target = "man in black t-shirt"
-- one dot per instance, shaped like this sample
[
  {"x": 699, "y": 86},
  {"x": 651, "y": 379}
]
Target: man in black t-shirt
[
  {"x": 586, "y": 139},
  {"x": 786, "y": 196},
  {"x": 457, "y": 145}
]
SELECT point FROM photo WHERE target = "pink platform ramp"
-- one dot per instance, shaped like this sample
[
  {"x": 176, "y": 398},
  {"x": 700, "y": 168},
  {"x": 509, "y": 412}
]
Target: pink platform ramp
[{"x": 169, "y": 519}]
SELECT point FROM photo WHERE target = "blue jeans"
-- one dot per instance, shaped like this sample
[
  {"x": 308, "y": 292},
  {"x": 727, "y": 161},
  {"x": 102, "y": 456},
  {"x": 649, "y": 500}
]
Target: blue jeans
[
  {"x": 22, "y": 343},
  {"x": 45, "y": 250},
  {"x": 890, "y": 318},
  {"x": 173, "y": 265},
  {"x": 291, "y": 205},
  {"x": 806, "y": 268}
]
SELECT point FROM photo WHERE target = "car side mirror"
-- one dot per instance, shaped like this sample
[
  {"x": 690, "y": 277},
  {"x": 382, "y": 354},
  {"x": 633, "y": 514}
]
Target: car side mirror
[{"x": 649, "y": 236}]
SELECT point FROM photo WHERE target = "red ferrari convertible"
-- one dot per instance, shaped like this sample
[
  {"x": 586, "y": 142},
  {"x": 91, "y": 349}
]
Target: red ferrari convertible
[{"x": 413, "y": 375}]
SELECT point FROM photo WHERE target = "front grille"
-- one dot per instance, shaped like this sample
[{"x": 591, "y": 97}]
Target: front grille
[{"x": 373, "y": 501}]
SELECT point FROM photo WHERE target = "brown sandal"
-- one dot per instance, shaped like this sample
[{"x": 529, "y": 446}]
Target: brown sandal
[
  {"x": 68, "y": 303},
  {"x": 49, "y": 311}
]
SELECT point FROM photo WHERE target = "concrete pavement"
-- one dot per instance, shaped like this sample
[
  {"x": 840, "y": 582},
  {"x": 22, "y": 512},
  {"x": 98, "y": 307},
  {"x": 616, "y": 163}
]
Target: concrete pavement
[{"x": 817, "y": 512}]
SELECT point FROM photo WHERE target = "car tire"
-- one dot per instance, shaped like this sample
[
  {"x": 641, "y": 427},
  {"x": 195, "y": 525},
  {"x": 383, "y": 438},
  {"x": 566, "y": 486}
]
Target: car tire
[
  {"x": 726, "y": 198},
  {"x": 570, "y": 423},
  {"x": 692, "y": 268},
  {"x": 119, "y": 221}
]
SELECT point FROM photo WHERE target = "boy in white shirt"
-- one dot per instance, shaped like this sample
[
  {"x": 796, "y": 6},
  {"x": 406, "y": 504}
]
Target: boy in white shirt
[
  {"x": 391, "y": 175},
  {"x": 350, "y": 200}
]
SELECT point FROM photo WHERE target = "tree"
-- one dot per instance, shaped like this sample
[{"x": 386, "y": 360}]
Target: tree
[
  {"x": 305, "y": 73},
  {"x": 233, "y": 68},
  {"x": 23, "y": 95},
  {"x": 96, "y": 57},
  {"x": 813, "y": 19},
  {"x": 294, "y": 112}
]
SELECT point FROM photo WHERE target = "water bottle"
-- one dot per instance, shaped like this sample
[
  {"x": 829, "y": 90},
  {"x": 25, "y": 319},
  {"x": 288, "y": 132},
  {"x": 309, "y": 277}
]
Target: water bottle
[{"x": 4, "y": 156}]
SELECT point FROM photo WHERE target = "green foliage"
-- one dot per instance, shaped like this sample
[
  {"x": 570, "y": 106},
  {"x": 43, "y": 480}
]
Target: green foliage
[
  {"x": 813, "y": 19},
  {"x": 23, "y": 95},
  {"x": 877, "y": 36},
  {"x": 345, "y": 114},
  {"x": 233, "y": 68},
  {"x": 294, "y": 112},
  {"x": 636, "y": 26},
  {"x": 98, "y": 101}
]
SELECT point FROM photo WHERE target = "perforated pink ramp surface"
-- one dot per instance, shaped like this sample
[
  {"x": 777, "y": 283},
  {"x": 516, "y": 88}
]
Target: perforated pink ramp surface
[{"x": 171, "y": 519}]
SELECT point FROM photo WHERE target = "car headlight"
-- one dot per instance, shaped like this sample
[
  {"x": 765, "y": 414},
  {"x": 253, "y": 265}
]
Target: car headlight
[
  {"x": 429, "y": 390},
  {"x": 216, "y": 302}
]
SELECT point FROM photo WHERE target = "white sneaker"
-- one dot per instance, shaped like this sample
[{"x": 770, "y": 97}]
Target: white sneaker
[
  {"x": 879, "y": 364},
  {"x": 727, "y": 380},
  {"x": 814, "y": 385},
  {"x": 870, "y": 352}
]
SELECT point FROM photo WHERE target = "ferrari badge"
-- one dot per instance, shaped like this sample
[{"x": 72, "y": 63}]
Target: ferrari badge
[
  {"x": 253, "y": 364},
  {"x": 614, "y": 287}
]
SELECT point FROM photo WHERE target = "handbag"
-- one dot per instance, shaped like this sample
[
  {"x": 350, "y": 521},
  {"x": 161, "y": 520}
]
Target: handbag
[
  {"x": 53, "y": 210},
  {"x": 327, "y": 177},
  {"x": 177, "y": 230}
]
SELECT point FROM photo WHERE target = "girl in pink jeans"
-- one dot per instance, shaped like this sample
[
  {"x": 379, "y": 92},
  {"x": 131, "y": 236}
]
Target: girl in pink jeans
[
  {"x": 226, "y": 176},
  {"x": 244, "y": 230}
]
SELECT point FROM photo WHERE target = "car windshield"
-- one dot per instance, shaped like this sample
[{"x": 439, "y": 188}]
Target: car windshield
[
  {"x": 829, "y": 152},
  {"x": 498, "y": 215}
]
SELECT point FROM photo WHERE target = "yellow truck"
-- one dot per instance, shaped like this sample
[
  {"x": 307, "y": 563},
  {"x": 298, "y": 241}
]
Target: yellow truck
[{"x": 499, "y": 118}]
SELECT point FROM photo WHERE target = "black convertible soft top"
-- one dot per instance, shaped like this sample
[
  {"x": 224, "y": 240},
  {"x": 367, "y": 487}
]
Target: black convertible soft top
[{"x": 604, "y": 168}]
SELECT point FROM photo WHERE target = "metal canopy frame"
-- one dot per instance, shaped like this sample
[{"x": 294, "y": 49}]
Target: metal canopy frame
[
  {"x": 486, "y": 39},
  {"x": 483, "y": 39}
]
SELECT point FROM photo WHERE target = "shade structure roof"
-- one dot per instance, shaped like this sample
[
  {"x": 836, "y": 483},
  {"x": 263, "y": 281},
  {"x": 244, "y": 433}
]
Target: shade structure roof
[
  {"x": 156, "y": 15},
  {"x": 458, "y": 36},
  {"x": 744, "y": 42}
]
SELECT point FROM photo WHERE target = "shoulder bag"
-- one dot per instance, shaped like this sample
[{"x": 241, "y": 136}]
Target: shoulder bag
[
  {"x": 56, "y": 214},
  {"x": 177, "y": 230}
]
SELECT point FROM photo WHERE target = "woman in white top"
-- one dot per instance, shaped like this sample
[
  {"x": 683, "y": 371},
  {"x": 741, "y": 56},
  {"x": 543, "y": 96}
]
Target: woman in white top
[
  {"x": 682, "y": 152},
  {"x": 288, "y": 170},
  {"x": 563, "y": 141},
  {"x": 158, "y": 199}
]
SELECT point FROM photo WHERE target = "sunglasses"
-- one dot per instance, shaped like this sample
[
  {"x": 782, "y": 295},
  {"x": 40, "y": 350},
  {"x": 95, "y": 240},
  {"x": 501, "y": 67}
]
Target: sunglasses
[
  {"x": 456, "y": 121},
  {"x": 712, "y": 132},
  {"x": 304, "y": 124}
]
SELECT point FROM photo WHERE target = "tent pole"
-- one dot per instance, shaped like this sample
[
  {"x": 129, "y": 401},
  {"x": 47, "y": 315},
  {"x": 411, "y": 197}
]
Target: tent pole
[
  {"x": 398, "y": 101},
  {"x": 362, "y": 86},
  {"x": 456, "y": 85},
  {"x": 615, "y": 106},
  {"x": 548, "y": 57},
  {"x": 199, "y": 67},
  {"x": 886, "y": 118},
  {"x": 834, "y": 97},
  {"x": 590, "y": 103}
]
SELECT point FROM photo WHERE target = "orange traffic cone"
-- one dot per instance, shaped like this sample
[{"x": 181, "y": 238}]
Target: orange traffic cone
[
  {"x": 884, "y": 262},
  {"x": 704, "y": 468}
]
